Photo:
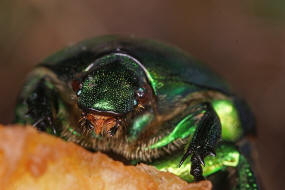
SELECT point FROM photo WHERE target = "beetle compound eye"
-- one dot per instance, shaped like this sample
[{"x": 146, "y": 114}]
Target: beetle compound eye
[
  {"x": 141, "y": 92},
  {"x": 142, "y": 95}
]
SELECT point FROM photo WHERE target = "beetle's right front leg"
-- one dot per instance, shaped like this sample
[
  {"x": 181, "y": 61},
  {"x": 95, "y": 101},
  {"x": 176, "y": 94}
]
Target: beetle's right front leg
[
  {"x": 204, "y": 140},
  {"x": 38, "y": 104}
]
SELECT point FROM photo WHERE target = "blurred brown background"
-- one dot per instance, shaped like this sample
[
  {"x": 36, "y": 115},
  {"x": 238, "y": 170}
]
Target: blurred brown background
[{"x": 241, "y": 40}]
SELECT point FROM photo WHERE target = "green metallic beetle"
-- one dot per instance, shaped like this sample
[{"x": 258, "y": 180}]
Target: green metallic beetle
[{"x": 142, "y": 101}]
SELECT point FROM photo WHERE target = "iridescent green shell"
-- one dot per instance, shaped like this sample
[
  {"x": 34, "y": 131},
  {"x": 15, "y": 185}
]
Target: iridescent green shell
[{"x": 172, "y": 73}]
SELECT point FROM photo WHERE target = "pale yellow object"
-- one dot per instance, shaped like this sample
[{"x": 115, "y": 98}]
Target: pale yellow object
[{"x": 31, "y": 160}]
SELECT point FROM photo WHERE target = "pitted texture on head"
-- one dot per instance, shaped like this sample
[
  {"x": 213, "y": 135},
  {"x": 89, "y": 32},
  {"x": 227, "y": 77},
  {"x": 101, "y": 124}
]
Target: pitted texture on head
[{"x": 111, "y": 85}]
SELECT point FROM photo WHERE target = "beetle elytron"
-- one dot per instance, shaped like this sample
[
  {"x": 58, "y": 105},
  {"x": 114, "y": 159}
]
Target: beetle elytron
[{"x": 142, "y": 101}]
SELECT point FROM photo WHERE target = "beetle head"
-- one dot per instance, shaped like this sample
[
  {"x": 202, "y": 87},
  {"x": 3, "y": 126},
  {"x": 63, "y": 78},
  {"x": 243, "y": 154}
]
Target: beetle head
[{"x": 111, "y": 87}]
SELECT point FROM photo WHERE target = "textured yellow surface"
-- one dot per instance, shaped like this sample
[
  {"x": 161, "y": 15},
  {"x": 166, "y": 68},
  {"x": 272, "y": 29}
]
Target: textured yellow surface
[{"x": 32, "y": 160}]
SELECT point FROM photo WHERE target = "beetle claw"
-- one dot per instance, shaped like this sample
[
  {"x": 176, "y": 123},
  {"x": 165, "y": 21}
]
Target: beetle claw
[
  {"x": 188, "y": 153},
  {"x": 212, "y": 153},
  {"x": 200, "y": 159}
]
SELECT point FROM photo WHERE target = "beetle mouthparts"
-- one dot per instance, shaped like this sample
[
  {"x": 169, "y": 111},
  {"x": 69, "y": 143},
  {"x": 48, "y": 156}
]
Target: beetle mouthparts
[{"x": 103, "y": 124}]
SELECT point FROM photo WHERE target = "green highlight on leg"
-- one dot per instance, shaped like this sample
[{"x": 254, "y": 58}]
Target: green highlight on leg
[
  {"x": 183, "y": 129},
  {"x": 231, "y": 125},
  {"x": 227, "y": 155}
]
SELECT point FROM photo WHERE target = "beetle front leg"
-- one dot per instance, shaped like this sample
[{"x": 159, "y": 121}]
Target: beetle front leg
[
  {"x": 37, "y": 105},
  {"x": 204, "y": 141}
]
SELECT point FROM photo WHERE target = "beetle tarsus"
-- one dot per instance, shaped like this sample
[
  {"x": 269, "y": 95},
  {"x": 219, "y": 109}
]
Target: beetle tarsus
[{"x": 196, "y": 168}]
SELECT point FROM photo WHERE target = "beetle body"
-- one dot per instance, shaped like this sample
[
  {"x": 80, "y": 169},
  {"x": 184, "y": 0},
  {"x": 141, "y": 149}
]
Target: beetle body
[{"x": 140, "y": 101}]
